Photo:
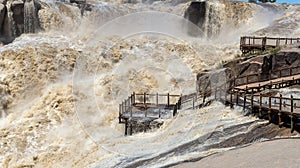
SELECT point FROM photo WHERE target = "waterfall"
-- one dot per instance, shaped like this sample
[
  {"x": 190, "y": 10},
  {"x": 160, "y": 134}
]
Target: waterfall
[
  {"x": 30, "y": 17},
  {"x": 10, "y": 30},
  {"x": 208, "y": 16},
  {"x": 214, "y": 19}
]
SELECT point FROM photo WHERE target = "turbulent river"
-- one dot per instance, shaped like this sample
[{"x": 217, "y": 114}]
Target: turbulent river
[{"x": 61, "y": 85}]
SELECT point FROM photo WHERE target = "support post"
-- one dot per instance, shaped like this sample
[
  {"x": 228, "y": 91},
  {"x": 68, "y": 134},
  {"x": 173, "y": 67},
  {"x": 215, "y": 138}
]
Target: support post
[
  {"x": 175, "y": 110},
  {"x": 279, "y": 113},
  {"x": 144, "y": 98},
  {"x": 126, "y": 127}
]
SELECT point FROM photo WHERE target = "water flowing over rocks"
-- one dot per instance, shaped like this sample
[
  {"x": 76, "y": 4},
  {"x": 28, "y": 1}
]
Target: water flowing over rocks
[{"x": 42, "y": 124}]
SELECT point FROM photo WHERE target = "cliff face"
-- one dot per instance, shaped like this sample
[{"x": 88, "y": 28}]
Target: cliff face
[
  {"x": 31, "y": 16},
  {"x": 212, "y": 17},
  {"x": 17, "y": 17}
]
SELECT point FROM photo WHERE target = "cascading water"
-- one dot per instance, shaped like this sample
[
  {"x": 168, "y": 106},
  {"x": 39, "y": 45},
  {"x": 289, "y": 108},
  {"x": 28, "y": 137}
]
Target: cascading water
[
  {"x": 215, "y": 18},
  {"x": 43, "y": 130},
  {"x": 30, "y": 17},
  {"x": 11, "y": 28}
]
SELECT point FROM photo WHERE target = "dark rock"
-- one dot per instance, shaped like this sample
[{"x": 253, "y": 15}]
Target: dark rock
[
  {"x": 17, "y": 8},
  {"x": 196, "y": 13},
  {"x": 2, "y": 14}
]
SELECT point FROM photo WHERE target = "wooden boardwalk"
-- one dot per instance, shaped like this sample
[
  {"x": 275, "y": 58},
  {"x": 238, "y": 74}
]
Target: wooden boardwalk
[
  {"x": 286, "y": 110},
  {"x": 250, "y": 44},
  {"x": 274, "y": 83},
  {"x": 139, "y": 110}
]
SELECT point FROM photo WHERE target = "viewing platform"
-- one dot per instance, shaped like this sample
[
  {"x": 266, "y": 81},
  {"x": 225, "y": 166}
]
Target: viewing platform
[
  {"x": 139, "y": 111},
  {"x": 250, "y": 44}
]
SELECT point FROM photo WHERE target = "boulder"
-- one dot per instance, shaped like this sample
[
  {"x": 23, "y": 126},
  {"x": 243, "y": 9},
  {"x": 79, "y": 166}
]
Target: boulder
[{"x": 2, "y": 14}]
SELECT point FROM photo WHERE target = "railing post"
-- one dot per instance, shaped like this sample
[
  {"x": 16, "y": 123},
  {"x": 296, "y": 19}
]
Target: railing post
[
  {"x": 168, "y": 99},
  {"x": 244, "y": 106},
  {"x": 144, "y": 98},
  {"x": 252, "y": 106},
  {"x": 159, "y": 113},
  {"x": 120, "y": 112},
  {"x": 131, "y": 129},
  {"x": 231, "y": 102},
  {"x": 291, "y": 116},
  {"x": 269, "y": 110},
  {"x": 260, "y": 104},
  {"x": 133, "y": 96},
  {"x": 279, "y": 113}
]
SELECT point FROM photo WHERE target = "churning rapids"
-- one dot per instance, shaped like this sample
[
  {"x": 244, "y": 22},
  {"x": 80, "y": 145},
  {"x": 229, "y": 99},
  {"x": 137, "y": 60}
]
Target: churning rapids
[{"x": 61, "y": 85}]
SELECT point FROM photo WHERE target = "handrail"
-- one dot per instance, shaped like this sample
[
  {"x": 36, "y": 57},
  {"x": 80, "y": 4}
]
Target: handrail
[
  {"x": 248, "y": 43},
  {"x": 258, "y": 79}
]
